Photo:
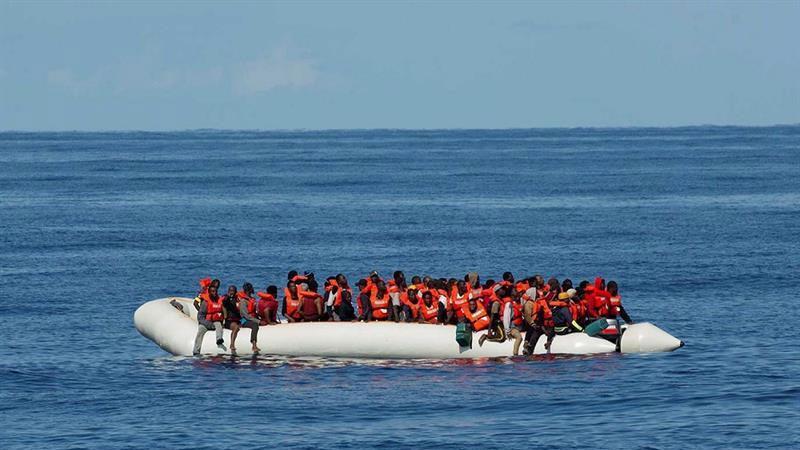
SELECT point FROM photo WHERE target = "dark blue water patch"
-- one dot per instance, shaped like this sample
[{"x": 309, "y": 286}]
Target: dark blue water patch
[{"x": 700, "y": 226}]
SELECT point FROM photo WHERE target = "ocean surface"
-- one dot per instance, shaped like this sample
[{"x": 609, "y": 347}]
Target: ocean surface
[{"x": 700, "y": 227}]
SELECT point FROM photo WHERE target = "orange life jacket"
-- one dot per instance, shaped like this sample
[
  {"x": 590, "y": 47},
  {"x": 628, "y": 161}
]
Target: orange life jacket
[
  {"x": 251, "y": 302},
  {"x": 541, "y": 313},
  {"x": 578, "y": 311},
  {"x": 516, "y": 313},
  {"x": 337, "y": 297},
  {"x": 414, "y": 307},
  {"x": 479, "y": 319},
  {"x": 380, "y": 306},
  {"x": 292, "y": 304},
  {"x": 429, "y": 313},
  {"x": 213, "y": 308},
  {"x": 457, "y": 301}
]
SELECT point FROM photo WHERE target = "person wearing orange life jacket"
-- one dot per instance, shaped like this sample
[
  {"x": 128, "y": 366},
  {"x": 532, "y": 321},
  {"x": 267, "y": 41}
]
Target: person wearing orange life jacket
[
  {"x": 380, "y": 304},
  {"x": 497, "y": 332},
  {"x": 459, "y": 296},
  {"x": 511, "y": 314},
  {"x": 475, "y": 315},
  {"x": 431, "y": 311},
  {"x": 576, "y": 308},
  {"x": 291, "y": 302},
  {"x": 204, "y": 284},
  {"x": 267, "y": 307},
  {"x": 488, "y": 293},
  {"x": 339, "y": 296},
  {"x": 372, "y": 281},
  {"x": 614, "y": 308},
  {"x": 209, "y": 317},
  {"x": 247, "y": 314},
  {"x": 537, "y": 321},
  {"x": 411, "y": 304}
]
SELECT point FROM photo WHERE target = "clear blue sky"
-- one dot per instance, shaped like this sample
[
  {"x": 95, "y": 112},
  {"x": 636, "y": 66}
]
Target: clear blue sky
[{"x": 318, "y": 65}]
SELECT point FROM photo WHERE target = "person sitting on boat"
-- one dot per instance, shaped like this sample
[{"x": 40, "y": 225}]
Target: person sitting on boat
[
  {"x": 563, "y": 322},
  {"x": 311, "y": 309},
  {"x": 475, "y": 315},
  {"x": 209, "y": 317},
  {"x": 411, "y": 304},
  {"x": 598, "y": 300},
  {"x": 379, "y": 306},
  {"x": 204, "y": 284},
  {"x": 268, "y": 306},
  {"x": 512, "y": 319},
  {"x": 339, "y": 297},
  {"x": 576, "y": 308},
  {"x": 537, "y": 321},
  {"x": 496, "y": 333},
  {"x": 291, "y": 302},
  {"x": 230, "y": 306},
  {"x": 588, "y": 301},
  {"x": 247, "y": 314},
  {"x": 614, "y": 308},
  {"x": 362, "y": 301},
  {"x": 459, "y": 296},
  {"x": 431, "y": 311},
  {"x": 397, "y": 286}
]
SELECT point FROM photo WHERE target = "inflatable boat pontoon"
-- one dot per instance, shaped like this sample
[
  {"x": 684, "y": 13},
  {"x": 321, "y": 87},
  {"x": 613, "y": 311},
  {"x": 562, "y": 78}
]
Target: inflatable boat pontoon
[{"x": 174, "y": 331}]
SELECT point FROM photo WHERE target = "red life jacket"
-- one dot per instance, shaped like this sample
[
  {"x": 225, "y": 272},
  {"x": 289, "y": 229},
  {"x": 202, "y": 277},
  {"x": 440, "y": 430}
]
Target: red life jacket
[
  {"x": 309, "y": 308},
  {"x": 267, "y": 301},
  {"x": 479, "y": 319},
  {"x": 429, "y": 313},
  {"x": 213, "y": 308},
  {"x": 613, "y": 305},
  {"x": 292, "y": 304},
  {"x": 380, "y": 306}
]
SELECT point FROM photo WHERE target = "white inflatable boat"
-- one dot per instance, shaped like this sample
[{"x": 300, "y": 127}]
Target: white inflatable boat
[{"x": 174, "y": 331}]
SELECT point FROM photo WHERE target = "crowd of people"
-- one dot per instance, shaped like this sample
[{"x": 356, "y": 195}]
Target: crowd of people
[{"x": 522, "y": 310}]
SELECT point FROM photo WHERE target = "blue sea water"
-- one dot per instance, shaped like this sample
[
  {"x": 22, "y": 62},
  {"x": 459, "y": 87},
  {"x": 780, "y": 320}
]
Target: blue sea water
[{"x": 700, "y": 226}]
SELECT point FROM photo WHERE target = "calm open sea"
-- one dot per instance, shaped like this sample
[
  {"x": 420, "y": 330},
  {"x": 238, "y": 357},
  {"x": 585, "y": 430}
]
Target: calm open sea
[{"x": 700, "y": 227}]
